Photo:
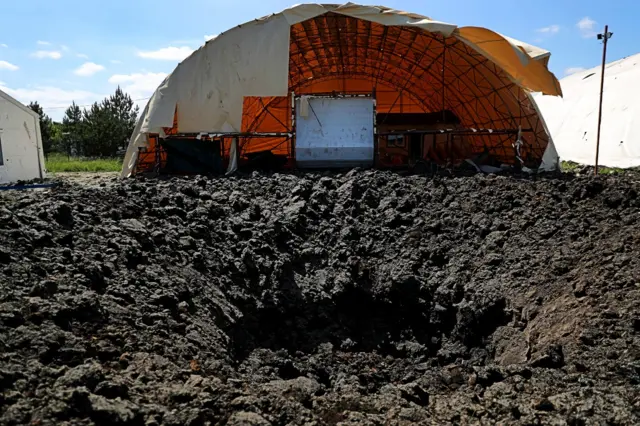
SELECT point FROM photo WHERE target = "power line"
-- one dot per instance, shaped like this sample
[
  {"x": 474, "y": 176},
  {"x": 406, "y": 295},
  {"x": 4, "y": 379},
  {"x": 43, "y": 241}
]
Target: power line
[{"x": 88, "y": 105}]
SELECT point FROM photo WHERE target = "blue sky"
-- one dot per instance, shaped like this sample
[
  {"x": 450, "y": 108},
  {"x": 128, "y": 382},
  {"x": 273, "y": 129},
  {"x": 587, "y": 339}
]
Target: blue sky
[{"x": 58, "y": 51}]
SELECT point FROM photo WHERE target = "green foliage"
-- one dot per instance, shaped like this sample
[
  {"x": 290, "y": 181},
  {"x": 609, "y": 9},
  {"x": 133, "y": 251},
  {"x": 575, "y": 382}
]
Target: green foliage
[
  {"x": 99, "y": 131},
  {"x": 108, "y": 125},
  {"x": 56, "y": 135},
  {"x": 571, "y": 167},
  {"x": 46, "y": 126},
  {"x": 71, "y": 140},
  {"x": 59, "y": 163},
  {"x": 125, "y": 114}
]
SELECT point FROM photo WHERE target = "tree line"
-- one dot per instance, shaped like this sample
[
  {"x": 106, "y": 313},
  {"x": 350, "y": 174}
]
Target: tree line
[{"x": 102, "y": 130}]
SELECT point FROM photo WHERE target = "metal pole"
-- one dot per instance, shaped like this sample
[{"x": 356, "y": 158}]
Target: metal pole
[
  {"x": 605, "y": 37},
  {"x": 444, "y": 65}
]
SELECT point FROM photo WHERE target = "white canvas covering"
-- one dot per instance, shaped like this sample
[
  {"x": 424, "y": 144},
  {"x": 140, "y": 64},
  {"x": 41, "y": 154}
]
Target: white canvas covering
[
  {"x": 532, "y": 51},
  {"x": 20, "y": 142},
  {"x": 208, "y": 88},
  {"x": 573, "y": 120}
]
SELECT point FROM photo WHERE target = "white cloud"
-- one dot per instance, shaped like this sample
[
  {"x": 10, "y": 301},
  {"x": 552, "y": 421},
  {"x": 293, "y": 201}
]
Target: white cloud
[
  {"x": 50, "y": 54},
  {"x": 185, "y": 42},
  {"x": 210, "y": 37},
  {"x": 115, "y": 61},
  {"x": 139, "y": 85},
  {"x": 82, "y": 55},
  {"x": 587, "y": 27},
  {"x": 167, "y": 53},
  {"x": 64, "y": 48},
  {"x": 88, "y": 69},
  {"x": 43, "y": 43},
  {"x": 4, "y": 65},
  {"x": 54, "y": 100},
  {"x": 3, "y": 45},
  {"x": 574, "y": 70},
  {"x": 550, "y": 30}
]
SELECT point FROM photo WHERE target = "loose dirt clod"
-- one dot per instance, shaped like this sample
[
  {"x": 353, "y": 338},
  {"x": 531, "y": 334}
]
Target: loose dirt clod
[{"x": 367, "y": 298}]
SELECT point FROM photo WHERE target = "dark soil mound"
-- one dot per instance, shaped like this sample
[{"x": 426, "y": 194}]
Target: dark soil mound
[{"x": 365, "y": 298}]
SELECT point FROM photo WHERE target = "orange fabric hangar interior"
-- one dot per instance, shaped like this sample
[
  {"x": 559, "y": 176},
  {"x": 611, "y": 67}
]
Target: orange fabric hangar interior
[{"x": 436, "y": 99}]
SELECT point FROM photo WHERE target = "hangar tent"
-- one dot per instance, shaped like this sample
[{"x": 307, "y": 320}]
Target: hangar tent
[
  {"x": 325, "y": 85},
  {"x": 21, "y": 153},
  {"x": 573, "y": 120}
]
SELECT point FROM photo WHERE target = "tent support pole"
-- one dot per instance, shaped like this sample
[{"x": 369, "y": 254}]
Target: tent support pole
[
  {"x": 292, "y": 144},
  {"x": 603, "y": 37},
  {"x": 375, "y": 127},
  {"x": 156, "y": 166},
  {"x": 444, "y": 97}
]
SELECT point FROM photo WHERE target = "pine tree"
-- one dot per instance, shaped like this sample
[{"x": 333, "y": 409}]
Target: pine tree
[
  {"x": 108, "y": 125},
  {"x": 125, "y": 114},
  {"x": 97, "y": 130},
  {"x": 46, "y": 126},
  {"x": 72, "y": 131}
]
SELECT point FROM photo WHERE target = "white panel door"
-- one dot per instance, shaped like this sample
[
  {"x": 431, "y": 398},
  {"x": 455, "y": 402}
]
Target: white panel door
[{"x": 334, "y": 132}]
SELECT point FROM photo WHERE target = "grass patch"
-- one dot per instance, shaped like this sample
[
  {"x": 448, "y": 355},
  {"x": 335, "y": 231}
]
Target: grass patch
[
  {"x": 571, "y": 167},
  {"x": 57, "y": 163},
  {"x": 60, "y": 163}
]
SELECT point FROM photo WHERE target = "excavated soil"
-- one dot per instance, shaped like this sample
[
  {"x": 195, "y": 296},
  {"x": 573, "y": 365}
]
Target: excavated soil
[{"x": 358, "y": 298}]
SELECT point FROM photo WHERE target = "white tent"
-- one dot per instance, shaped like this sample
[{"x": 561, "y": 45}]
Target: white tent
[
  {"x": 21, "y": 153},
  {"x": 252, "y": 60},
  {"x": 573, "y": 120}
]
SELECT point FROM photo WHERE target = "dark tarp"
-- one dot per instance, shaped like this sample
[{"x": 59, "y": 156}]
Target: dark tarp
[{"x": 192, "y": 156}]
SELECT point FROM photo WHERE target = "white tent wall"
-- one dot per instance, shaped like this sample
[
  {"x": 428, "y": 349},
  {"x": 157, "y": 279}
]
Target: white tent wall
[
  {"x": 20, "y": 141},
  {"x": 551, "y": 158},
  {"x": 573, "y": 120},
  {"x": 252, "y": 59}
]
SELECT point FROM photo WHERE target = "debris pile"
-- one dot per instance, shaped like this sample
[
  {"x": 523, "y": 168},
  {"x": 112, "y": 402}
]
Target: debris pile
[{"x": 365, "y": 297}]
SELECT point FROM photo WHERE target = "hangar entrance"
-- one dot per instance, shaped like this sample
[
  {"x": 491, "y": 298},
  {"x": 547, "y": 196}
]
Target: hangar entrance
[
  {"x": 334, "y": 131},
  {"x": 361, "y": 93}
]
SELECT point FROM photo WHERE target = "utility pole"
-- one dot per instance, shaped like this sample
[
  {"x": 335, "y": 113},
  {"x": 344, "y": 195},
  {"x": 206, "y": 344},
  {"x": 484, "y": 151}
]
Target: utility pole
[{"x": 605, "y": 37}]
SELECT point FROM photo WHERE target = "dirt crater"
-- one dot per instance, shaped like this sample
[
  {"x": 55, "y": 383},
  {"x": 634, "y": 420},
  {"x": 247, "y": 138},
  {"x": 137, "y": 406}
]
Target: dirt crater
[{"x": 364, "y": 297}]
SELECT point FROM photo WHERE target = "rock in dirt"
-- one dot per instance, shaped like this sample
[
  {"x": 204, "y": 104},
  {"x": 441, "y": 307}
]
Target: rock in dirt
[
  {"x": 553, "y": 358},
  {"x": 243, "y": 418},
  {"x": 88, "y": 375},
  {"x": 114, "y": 412},
  {"x": 511, "y": 346}
]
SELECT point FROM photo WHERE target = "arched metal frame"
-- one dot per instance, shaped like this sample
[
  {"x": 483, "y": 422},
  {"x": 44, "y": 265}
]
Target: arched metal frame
[{"x": 437, "y": 73}]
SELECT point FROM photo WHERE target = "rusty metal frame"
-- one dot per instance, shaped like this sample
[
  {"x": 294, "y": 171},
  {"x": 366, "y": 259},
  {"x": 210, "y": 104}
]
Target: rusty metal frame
[{"x": 458, "y": 131}]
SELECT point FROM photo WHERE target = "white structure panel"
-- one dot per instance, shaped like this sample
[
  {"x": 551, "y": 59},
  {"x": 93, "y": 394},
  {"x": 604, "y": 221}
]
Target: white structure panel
[
  {"x": 573, "y": 119},
  {"x": 334, "y": 132},
  {"x": 20, "y": 141}
]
